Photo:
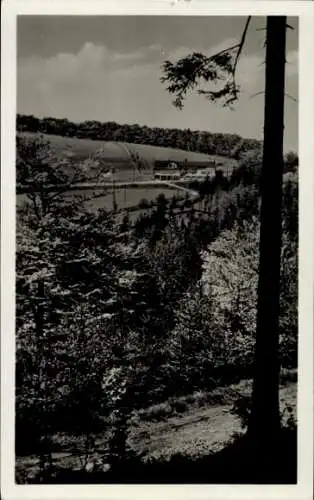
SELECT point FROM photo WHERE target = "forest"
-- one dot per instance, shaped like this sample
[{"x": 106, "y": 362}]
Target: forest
[{"x": 117, "y": 317}]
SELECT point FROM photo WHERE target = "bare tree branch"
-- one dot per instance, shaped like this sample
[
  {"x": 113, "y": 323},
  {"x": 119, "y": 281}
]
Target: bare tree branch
[
  {"x": 241, "y": 43},
  {"x": 291, "y": 97},
  {"x": 257, "y": 93}
]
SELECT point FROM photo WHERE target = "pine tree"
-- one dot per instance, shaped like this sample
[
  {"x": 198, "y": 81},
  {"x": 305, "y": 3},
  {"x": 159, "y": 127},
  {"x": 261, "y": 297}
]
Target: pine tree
[{"x": 264, "y": 423}]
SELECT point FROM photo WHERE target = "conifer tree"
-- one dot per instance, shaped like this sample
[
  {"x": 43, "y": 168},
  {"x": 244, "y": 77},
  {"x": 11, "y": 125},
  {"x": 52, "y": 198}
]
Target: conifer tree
[{"x": 220, "y": 70}]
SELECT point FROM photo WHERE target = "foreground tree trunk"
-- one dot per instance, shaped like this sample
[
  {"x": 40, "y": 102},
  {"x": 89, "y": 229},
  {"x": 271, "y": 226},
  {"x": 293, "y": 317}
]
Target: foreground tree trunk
[{"x": 264, "y": 423}]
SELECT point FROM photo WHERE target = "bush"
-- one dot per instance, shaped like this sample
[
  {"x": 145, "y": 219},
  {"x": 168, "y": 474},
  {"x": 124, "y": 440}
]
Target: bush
[
  {"x": 179, "y": 406},
  {"x": 157, "y": 412},
  {"x": 144, "y": 203}
]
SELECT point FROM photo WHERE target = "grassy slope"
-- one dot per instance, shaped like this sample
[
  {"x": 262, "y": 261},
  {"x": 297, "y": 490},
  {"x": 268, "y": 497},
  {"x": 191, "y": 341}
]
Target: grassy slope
[
  {"x": 82, "y": 148},
  {"x": 125, "y": 198}
]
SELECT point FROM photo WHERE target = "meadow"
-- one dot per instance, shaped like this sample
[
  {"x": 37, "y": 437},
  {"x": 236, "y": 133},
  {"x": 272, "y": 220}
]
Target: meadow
[
  {"x": 125, "y": 198},
  {"x": 119, "y": 153}
]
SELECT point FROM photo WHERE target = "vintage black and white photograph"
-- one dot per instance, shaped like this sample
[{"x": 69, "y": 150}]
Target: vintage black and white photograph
[{"x": 157, "y": 238}]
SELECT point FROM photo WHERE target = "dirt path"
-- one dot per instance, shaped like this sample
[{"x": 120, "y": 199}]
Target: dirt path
[{"x": 196, "y": 432}]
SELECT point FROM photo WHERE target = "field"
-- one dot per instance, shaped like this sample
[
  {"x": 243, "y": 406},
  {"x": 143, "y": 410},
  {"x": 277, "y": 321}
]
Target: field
[
  {"x": 119, "y": 152},
  {"x": 128, "y": 197},
  {"x": 125, "y": 197}
]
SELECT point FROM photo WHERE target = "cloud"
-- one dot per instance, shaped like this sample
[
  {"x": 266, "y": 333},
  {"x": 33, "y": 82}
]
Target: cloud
[
  {"x": 292, "y": 66},
  {"x": 224, "y": 44},
  {"x": 93, "y": 83},
  {"x": 87, "y": 70},
  {"x": 90, "y": 57},
  {"x": 249, "y": 69},
  {"x": 99, "y": 84},
  {"x": 184, "y": 51}
]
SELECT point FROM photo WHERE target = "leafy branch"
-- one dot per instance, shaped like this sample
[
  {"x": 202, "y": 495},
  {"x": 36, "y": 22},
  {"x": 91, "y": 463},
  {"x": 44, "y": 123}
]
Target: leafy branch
[{"x": 189, "y": 71}]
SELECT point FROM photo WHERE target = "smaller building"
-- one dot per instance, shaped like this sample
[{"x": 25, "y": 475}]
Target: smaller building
[
  {"x": 184, "y": 164},
  {"x": 105, "y": 176},
  {"x": 167, "y": 175},
  {"x": 173, "y": 165},
  {"x": 207, "y": 173}
]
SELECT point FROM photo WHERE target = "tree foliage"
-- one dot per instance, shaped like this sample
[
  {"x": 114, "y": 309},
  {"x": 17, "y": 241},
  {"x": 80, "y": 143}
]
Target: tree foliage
[
  {"x": 219, "y": 69},
  {"x": 112, "y": 316},
  {"x": 190, "y": 140},
  {"x": 230, "y": 278}
]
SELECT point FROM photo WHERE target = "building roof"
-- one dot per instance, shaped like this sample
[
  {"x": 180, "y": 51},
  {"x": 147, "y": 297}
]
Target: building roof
[
  {"x": 169, "y": 171},
  {"x": 188, "y": 163}
]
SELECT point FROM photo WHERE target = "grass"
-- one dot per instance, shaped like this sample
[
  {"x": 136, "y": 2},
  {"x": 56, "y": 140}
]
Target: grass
[
  {"x": 130, "y": 197},
  {"x": 119, "y": 154},
  {"x": 238, "y": 462},
  {"x": 184, "y": 439},
  {"x": 125, "y": 198},
  {"x": 120, "y": 151}
]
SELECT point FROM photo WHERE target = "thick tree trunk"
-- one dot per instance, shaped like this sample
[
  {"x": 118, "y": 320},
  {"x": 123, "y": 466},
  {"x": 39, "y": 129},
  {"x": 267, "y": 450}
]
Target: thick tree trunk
[{"x": 264, "y": 423}]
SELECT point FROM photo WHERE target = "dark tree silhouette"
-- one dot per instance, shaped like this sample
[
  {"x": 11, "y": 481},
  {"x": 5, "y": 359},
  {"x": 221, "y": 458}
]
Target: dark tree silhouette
[
  {"x": 220, "y": 69},
  {"x": 264, "y": 423}
]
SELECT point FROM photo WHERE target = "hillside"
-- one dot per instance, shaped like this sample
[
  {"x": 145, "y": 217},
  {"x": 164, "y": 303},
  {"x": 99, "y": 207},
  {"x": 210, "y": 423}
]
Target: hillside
[
  {"x": 199, "y": 141},
  {"x": 119, "y": 152}
]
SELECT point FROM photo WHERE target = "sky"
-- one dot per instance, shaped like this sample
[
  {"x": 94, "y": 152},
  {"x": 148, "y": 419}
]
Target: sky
[{"x": 108, "y": 68}]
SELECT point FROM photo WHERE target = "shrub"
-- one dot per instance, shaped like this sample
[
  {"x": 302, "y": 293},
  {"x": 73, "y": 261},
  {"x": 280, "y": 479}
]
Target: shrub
[
  {"x": 179, "y": 406},
  {"x": 157, "y": 412},
  {"x": 144, "y": 203}
]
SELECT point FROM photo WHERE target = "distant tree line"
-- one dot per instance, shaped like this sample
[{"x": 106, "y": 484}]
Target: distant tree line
[{"x": 230, "y": 145}]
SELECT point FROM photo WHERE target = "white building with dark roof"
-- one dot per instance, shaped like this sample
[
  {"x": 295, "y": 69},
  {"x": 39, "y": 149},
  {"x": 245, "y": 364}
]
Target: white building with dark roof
[{"x": 167, "y": 175}]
